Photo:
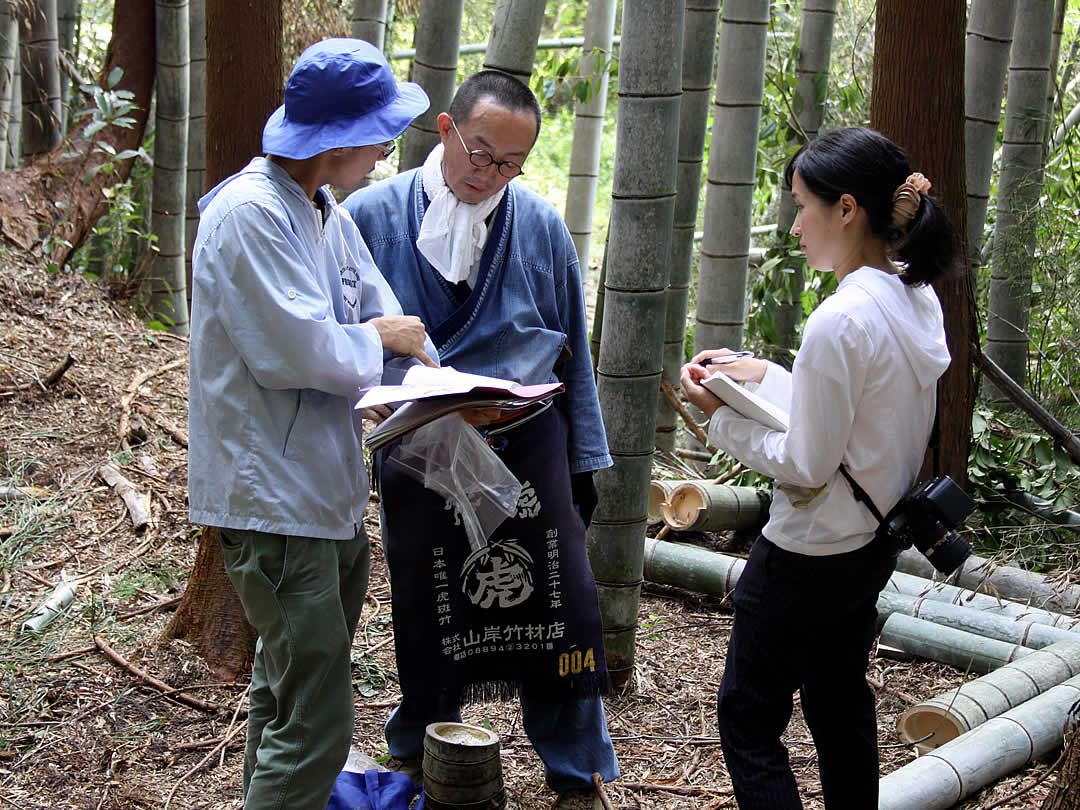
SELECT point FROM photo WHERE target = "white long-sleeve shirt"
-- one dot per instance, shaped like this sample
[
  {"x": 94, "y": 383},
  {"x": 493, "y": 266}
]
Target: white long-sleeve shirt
[{"x": 862, "y": 391}]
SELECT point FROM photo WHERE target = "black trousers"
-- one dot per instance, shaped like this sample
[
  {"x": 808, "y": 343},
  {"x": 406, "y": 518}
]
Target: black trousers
[{"x": 803, "y": 623}]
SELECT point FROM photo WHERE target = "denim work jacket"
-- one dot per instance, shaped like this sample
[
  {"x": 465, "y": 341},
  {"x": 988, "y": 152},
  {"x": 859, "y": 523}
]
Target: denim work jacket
[
  {"x": 280, "y": 347},
  {"x": 525, "y": 318}
]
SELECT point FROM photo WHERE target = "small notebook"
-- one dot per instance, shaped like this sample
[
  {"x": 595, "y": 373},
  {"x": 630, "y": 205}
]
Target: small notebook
[{"x": 746, "y": 402}]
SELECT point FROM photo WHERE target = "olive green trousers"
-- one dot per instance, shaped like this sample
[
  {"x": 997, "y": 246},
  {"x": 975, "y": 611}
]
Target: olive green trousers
[{"x": 304, "y": 596}]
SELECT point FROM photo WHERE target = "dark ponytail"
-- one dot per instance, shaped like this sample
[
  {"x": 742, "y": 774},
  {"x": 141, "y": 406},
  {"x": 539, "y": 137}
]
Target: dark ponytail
[
  {"x": 865, "y": 164},
  {"x": 928, "y": 246}
]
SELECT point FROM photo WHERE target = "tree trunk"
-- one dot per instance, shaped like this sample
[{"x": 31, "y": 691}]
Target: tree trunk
[
  {"x": 514, "y": 34},
  {"x": 908, "y": 65},
  {"x": 243, "y": 81},
  {"x": 788, "y": 279},
  {"x": 67, "y": 21},
  {"x": 986, "y": 63},
  {"x": 166, "y": 279},
  {"x": 589, "y": 127},
  {"x": 1065, "y": 794},
  {"x": 729, "y": 197},
  {"x": 244, "y": 69},
  {"x": 699, "y": 51},
  {"x": 1019, "y": 187},
  {"x": 9, "y": 49},
  {"x": 635, "y": 303},
  {"x": 195, "y": 185},
  {"x": 436, "y": 39},
  {"x": 28, "y": 212},
  {"x": 40, "y": 81},
  {"x": 369, "y": 21},
  {"x": 211, "y": 617}
]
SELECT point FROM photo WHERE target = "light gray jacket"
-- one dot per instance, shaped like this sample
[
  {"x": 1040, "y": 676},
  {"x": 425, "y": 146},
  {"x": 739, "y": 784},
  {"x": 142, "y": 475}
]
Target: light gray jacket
[{"x": 279, "y": 350}]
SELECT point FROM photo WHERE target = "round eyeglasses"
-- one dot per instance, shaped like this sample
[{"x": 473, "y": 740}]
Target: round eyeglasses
[
  {"x": 387, "y": 148},
  {"x": 482, "y": 159}
]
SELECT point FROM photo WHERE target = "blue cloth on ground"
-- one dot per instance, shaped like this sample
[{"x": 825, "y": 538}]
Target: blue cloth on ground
[{"x": 373, "y": 790}]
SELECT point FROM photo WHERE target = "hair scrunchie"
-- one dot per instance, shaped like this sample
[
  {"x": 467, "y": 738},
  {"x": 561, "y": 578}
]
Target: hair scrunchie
[{"x": 906, "y": 199}]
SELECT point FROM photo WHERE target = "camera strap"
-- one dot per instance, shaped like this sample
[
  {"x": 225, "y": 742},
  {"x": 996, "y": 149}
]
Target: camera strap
[
  {"x": 860, "y": 494},
  {"x": 934, "y": 444}
]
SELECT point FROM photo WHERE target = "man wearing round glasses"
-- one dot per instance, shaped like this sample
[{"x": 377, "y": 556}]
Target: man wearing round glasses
[{"x": 490, "y": 268}]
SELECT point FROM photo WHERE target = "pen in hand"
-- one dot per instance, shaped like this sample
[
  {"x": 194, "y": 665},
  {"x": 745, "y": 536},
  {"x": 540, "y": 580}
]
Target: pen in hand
[{"x": 725, "y": 358}]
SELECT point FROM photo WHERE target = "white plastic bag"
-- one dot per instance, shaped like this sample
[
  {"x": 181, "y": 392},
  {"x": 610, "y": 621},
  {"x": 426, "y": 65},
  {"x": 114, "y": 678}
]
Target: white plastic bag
[{"x": 450, "y": 457}]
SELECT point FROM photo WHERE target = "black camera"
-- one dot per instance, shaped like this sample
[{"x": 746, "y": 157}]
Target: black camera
[{"x": 926, "y": 517}]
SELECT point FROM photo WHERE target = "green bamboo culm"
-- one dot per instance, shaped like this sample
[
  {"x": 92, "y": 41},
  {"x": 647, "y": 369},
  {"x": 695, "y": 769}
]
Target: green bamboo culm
[
  {"x": 635, "y": 306},
  {"x": 699, "y": 50},
  {"x": 435, "y": 68},
  {"x": 369, "y": 20},
  {"x": 789, "y": 276},
  {"x": 729, "y": 197},
  {"x": 986, "y": 64},
  {"x": 589, "y": 128},
  {"x": 514, "y": 34},
  {"x": 1019, "y": 187}
]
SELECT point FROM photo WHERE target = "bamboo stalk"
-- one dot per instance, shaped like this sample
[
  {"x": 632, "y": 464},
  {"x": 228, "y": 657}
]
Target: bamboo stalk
[{"x": 1004, "y": 628}]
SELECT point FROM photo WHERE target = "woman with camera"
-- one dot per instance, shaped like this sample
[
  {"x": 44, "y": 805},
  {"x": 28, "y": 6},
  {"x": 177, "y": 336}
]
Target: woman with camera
[{"x": 862, "y": 392}]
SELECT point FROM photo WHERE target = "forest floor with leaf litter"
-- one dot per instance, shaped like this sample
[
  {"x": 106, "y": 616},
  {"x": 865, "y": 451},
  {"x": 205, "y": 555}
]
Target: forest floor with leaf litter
[{"x": 78, "y": 730}]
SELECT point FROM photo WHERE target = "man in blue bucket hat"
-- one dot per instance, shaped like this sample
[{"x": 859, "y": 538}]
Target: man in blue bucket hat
[{"x": 290, "y": 317}]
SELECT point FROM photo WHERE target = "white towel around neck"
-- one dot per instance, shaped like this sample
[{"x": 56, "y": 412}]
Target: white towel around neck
[{"x": 453, "y": 233}]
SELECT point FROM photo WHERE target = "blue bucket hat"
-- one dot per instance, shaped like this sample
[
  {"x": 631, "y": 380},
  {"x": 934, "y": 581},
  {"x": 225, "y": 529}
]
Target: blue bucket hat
[{"x": 341, "y": 93}]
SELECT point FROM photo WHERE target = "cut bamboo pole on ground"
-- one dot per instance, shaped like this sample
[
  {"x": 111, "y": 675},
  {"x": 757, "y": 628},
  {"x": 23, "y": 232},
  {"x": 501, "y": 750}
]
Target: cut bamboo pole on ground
[
  {"x": 691, "y": 567},
  {"x": 1003, "y": 628},
  {"x": 986, "y": 576},
  {"x": 940, "y": 592},
  {"x": 959, "y": 710},
  {"x": 959, "y": 649},
  {"x": 943, "y": 777},
  {"x": 707, "y": 507},
  {"x": 710, "y": 572}
]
